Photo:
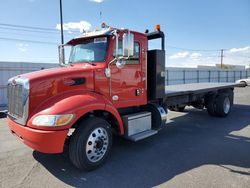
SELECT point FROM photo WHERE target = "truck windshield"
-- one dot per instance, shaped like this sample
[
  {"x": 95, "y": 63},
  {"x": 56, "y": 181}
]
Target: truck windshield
[{"x": 89, "y": 50}]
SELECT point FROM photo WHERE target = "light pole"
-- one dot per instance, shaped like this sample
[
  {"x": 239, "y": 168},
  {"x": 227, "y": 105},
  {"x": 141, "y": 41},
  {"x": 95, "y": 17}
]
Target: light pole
[
  {"x": 61, "y": 19},
  {"x": 221, "y": 58}
]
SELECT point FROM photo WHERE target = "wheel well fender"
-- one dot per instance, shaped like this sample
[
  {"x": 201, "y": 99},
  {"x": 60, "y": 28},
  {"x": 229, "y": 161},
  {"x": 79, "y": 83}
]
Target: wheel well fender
[
  {"x": 80, "y": 104},
  {"x": 109, "y": 112},
  {"x": 111, "y": 109}
]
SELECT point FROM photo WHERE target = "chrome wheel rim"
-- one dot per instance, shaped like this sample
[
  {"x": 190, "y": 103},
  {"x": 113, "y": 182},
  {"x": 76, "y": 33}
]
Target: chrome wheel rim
[
  {"x": 226, "y": 105},
  {"x": 97, "y": 144}
]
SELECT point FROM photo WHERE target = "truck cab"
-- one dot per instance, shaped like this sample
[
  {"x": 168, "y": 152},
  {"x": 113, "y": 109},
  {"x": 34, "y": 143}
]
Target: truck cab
[{"x": 126, "y": 83}]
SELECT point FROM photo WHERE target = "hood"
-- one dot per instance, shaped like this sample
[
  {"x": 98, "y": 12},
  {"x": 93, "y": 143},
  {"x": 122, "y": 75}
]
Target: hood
[
  {"x": 61, "y": 71},
  {"x": 49, "y": 83}
]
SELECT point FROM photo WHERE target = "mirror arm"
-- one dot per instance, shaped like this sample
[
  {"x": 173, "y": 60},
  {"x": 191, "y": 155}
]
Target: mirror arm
[
  {"x": 112, "y": 61},
  {"x": 61, "y": 55},
  {"x": 107, "y": 72},
  {"x": 116, "y": 43},
  {"x": 108, "y": 75}
]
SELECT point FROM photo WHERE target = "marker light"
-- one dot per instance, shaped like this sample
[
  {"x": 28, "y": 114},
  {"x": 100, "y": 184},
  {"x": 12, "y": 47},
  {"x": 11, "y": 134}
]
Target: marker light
[
  {"x": 52, "y": 120},
  {"x": 158, "y": 27},
  {"x": 103, "y": 25}
]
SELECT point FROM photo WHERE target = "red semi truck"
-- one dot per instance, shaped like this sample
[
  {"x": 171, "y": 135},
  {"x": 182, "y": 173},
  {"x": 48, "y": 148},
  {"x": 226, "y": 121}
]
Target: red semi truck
[{"x": 112, "y": 84}]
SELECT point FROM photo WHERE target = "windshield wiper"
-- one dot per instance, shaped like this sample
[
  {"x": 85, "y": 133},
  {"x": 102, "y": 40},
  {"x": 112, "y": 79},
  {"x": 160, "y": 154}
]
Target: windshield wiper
[
  {"x": 92, "y": 63},
  {"x": 85, "y": 61}
]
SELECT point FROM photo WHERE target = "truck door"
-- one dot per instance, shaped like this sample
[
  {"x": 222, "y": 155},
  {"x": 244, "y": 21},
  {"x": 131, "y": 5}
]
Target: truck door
[{"x": 129, "y": 82}]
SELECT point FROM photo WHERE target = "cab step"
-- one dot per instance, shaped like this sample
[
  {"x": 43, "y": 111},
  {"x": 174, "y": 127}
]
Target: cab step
[{"x": 142, "y": 135}]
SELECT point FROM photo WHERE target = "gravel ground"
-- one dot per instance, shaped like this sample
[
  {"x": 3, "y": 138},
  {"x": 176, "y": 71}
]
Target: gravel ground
[{"x": 193, "y": 150}]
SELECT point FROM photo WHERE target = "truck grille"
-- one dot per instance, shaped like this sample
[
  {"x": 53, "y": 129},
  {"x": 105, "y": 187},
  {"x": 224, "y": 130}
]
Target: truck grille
[
  {"x": 18, "y": 99},
  {"x": 15, "y": 100}
]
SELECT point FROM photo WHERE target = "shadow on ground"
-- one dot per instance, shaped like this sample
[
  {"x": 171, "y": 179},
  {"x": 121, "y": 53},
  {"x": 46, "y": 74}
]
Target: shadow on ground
[{"x": 190, "y": 141}]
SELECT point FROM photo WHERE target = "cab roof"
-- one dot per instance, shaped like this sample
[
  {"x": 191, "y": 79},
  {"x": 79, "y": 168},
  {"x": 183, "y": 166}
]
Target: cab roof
[{"x": 97, "y": 33}]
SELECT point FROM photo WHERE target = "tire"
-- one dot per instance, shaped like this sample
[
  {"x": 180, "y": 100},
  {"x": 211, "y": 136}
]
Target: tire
[
  {"x": 243, "y": 82},
  {"x": 210, "y": 105},
  {"x": 155, "y": 114},
  {"x": 90, "y": 144},
  {"x": 223, "y": 105}
]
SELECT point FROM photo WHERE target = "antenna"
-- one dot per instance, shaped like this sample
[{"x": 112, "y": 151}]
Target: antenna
[
  {"x": 100, "y": 13},
  {"x": 100, "y": 16}
]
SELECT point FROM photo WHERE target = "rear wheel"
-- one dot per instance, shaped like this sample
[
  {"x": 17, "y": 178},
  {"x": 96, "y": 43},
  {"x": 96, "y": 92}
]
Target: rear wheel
[
  {"x": 223, "y": 105},
  {"x": 90, "y": 143},
  {"x": 210, "y": 105}
]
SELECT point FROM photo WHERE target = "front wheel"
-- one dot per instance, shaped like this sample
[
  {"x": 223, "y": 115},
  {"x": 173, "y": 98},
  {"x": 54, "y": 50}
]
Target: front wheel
[{"x": 90, "y": 143}]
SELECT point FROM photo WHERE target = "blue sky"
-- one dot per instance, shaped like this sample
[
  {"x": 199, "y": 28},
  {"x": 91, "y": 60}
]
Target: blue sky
[{"x": 195, "y": 30}]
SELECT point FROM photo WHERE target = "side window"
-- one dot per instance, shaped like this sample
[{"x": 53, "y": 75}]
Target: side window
[{"x": 135, "y": 58}]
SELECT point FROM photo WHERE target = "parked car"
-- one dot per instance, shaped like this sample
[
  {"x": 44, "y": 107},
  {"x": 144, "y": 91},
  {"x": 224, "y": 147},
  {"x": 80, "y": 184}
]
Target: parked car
[{"x": 245, "y": 81}]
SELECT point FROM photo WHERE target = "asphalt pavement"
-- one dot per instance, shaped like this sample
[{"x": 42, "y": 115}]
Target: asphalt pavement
[{"x": 193, "y": 150}]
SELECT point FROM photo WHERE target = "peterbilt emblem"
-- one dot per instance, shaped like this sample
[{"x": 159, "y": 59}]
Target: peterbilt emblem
[
  {"x": 69, "y": 82},
  {"x": 74, "y": 81}
]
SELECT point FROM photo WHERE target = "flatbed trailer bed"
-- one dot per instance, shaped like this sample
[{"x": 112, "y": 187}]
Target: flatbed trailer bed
[
  {"x": 187, "y": 93},
  {"x": 196, "y": 88}
]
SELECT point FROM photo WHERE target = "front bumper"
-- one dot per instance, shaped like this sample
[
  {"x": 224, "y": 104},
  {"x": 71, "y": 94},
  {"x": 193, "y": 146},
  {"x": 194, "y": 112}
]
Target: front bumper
[{"x": 39, "y": 140}]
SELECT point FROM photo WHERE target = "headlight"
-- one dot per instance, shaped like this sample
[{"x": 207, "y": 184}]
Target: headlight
[{"x": 52, "y": 120}]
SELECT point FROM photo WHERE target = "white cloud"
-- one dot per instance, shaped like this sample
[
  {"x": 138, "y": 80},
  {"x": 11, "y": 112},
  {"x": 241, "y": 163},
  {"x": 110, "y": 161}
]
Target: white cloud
[
  {"x": 71, "y": 26},
  {"x": 192, "y": 62},
  {"x": 22, "y": 47},
  {"x": 239, "y": 50},
  {"x": 234, "y": 56},
  {"x": 97, "y": 1},
  {"x": 179, "y": 55},
  {"x": 195, "y": 55},
  {"x": 185, "y": 55}
]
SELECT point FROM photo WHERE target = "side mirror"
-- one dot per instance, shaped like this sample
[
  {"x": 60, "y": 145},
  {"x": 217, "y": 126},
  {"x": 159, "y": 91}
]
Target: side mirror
[
  {"x": 128, "y": 44},
  {"x": 120, "y": 63},
  {"x": 61, "y": 55}
]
